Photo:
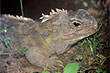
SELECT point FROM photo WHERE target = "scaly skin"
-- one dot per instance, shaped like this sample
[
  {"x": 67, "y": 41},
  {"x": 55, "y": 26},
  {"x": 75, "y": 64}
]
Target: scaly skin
[{"x": 54, "y": 35}]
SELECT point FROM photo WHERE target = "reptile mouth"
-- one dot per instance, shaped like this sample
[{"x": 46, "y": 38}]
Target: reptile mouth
[{"x": 88, "y": 30}]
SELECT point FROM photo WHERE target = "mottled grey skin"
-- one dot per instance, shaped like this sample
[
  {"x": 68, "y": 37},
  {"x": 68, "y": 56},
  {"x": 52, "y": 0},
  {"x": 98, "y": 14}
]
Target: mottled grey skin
[{"x": 54, "y": 36}]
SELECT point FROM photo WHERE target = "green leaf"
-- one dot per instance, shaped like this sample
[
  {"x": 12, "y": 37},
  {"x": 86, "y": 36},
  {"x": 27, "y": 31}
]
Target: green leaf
[
  {"x": 21, "y": 5},
  {"x": 71, "y": 68},
  {"x": 57, "y": 72},
  {"x": 17, "y": 50},
  {"x": 85, "y": 4},
  {"x": 4, "y": 30},
  {"x": 99, "y": 70},
  {"x": 21, "y": 50},
  {"x": 105, "y": 72},
  {"x": 25, "y": 50},
  {"x": 78, "y": 57},
  {"x": 6, "y": 41},
  {"x": 90, "y": 45},
  {"x": 94, "y": 4},
  {"x": 45, "y": 72}
]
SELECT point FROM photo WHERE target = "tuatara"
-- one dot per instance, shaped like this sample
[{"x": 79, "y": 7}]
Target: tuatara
[{"x": 53, "y": 36}]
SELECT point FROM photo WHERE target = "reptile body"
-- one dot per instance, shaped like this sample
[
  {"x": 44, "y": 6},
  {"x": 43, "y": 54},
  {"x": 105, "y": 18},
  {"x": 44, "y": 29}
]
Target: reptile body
[{"x": 53, "y": 36}]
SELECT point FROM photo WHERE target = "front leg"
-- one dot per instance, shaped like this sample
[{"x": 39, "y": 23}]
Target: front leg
[{"x": 39, "y": 57}]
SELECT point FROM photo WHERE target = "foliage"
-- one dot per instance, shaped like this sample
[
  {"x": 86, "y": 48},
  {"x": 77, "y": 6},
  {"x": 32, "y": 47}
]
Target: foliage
[
  {"x": 5, "y": 39},
  {"x": 99, "y": 70},
  {"x": 4, "y": 30},
  {"x": 45, "y": 72},
  {"x": 79, "y": 57},
  {"x": 21, "y": 5},
  {"x": 94, "y": 4},
  {"x": 71, "y": 68},
  {"x": 22, "y": 51},
  {"x": 52, "y": 72},
  {"x": 85, "y": 4}
]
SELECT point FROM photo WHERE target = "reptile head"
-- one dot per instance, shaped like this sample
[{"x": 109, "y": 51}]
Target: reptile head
[{"x": 72, "y": 26}]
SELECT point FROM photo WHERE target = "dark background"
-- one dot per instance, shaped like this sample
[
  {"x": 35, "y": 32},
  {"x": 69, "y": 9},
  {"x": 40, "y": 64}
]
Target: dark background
[{"x": 34, "y": 8}]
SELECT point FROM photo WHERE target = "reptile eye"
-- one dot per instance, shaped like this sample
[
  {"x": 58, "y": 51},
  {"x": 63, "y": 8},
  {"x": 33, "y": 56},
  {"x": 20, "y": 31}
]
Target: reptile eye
[{"x": 76, "y": 24}]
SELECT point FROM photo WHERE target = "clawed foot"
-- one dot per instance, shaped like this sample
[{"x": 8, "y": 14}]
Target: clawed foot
[{"x": 54, "y": 62}]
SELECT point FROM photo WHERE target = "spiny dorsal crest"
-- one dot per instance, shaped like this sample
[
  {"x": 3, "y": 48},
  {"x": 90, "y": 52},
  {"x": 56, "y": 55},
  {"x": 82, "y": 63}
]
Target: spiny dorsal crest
[
  {"x": 53, "y": 13},
  {"x": 17, "y": 17}
]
